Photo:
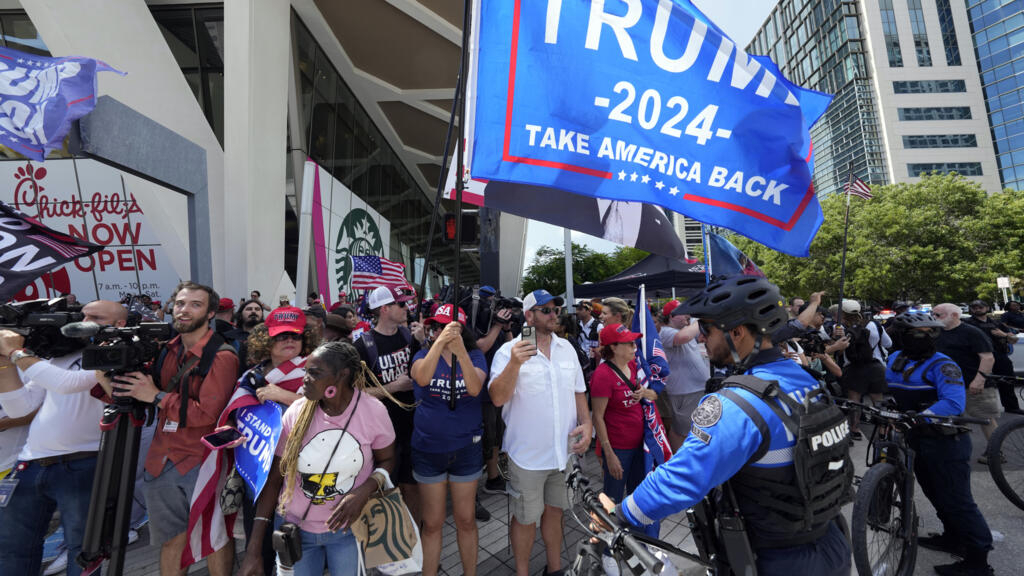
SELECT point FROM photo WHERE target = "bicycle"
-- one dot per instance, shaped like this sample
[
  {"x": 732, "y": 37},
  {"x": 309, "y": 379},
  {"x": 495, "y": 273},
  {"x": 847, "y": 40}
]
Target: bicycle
[
  {"x": 630, "y": 547},
  {"x": 884, "y": 524},
  {"x": 1005, "y": 450}
]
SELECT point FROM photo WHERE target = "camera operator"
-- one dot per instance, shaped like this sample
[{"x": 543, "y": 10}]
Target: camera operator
[
  {"x": 189, "y": 403},
  {"x": 489, "y": 339},
  {"x": 56, "y": 466}
]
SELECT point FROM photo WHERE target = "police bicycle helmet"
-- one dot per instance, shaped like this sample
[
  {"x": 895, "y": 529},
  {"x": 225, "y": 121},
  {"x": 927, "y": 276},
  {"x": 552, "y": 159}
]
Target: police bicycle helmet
[
  {"x": 737, "y": 301},
  {"x": 910, "y": 320}
]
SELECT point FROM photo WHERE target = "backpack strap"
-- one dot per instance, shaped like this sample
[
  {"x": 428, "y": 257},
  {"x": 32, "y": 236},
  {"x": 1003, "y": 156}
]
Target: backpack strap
[
  {"x": 371, "y": 348},
  {"x": 768, "y": 391},
  {"x": 406, "y": 334},
  {"x": 756, "y": 417}
]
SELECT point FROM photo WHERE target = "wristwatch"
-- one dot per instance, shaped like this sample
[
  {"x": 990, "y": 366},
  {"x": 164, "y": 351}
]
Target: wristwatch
[
  {"x": 159, "y": 398},
  {"x": 21, "y": 353}
]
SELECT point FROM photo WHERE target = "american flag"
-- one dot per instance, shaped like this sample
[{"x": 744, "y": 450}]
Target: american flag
[
  {"x": 369, "y": 272},
  {"x": 209, "y": 529},
  {"x": 858, "y": 188}
]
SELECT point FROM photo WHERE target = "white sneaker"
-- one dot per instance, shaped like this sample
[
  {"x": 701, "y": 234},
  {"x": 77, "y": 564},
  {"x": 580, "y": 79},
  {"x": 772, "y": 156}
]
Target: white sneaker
[
  {"x": 133, "y": 537},
  {"x": 57, "y": 565},
  {"x": 611, "y": 567}
]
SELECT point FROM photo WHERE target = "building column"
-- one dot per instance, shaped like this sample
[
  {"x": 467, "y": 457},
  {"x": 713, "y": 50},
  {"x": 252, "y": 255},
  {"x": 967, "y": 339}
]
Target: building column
[{"x": 257, "y": 48}]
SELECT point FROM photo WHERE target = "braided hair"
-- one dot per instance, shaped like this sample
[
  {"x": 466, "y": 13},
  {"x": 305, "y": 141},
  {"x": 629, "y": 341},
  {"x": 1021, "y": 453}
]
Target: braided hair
[{"x": 337, "y": 356}]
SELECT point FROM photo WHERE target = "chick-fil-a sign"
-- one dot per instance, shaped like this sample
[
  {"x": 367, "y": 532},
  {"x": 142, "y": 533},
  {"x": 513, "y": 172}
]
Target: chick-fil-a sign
[{"x": 90, "y": 201}]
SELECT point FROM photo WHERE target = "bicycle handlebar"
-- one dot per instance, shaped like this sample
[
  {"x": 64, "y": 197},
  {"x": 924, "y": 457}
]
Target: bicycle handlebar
[
  {"x": 620, "y": 534},
  {"x": 1015, "y": 380},
  {"x": 909, "y": 419}
]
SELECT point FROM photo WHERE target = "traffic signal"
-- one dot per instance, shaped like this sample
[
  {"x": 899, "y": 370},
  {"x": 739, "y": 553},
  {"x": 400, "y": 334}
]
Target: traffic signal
[{"x": 470, "y": 233}]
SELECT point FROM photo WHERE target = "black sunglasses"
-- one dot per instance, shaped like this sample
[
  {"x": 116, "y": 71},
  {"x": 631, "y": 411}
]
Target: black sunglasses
[
  {"x": 704, "y": 327},
  {"x": 287, "y": 336},
  {"x": 546, "y": 310}
]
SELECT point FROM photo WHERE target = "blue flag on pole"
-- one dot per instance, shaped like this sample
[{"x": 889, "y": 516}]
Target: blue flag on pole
[
  {"x": 728, "y": 260},
  {"x": 40, "y": 97},
  {"x": 648, "y": 102}
]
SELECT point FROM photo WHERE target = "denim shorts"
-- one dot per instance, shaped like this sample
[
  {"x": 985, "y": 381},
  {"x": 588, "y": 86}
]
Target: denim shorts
[{"x": 462, "y": 465}]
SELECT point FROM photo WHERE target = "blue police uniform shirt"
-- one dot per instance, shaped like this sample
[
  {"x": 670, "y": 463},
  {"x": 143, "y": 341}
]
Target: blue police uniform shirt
[
  {"x": 931, "y": 386},
  {"x": 436, "y": 428},
  {"x": 721, "y": 442}
]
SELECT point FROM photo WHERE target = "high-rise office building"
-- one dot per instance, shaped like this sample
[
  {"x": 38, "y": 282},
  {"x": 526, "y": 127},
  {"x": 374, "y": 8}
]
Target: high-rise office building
[
  {"x": 906, "y": 103},
  {"x": 998, "y": 29}
]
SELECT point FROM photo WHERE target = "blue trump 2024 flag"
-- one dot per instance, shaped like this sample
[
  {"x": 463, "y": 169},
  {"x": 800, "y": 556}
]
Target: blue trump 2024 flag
[
  {"x": 40, "y": 97},
  {"x": 261, "y": 424},
  {"x": 645, "y": 101}
]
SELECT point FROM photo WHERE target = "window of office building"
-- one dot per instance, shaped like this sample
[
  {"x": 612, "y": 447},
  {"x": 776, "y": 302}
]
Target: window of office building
[
  {"x": 892, "y": 37},
  {"x": 924, "y": 54},
  {"x": 962, "y": 168},
  {"x": 929, "y": 86},
  {"x": 949, "y": 113},
  {"x": 941, "y": 141},
  {"x": 195, "y": 35},
  {"x": 948, "y": 32},
  {"x": 339, "y": 135}
]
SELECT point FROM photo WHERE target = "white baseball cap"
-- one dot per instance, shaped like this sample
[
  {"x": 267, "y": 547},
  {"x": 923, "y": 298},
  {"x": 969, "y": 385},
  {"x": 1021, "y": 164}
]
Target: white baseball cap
[{"x": 851, "y": 306}]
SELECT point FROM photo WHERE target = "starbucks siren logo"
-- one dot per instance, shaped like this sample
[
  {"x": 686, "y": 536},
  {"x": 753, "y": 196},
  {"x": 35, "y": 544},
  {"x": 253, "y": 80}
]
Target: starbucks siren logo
[{"x": 358, "y": 236}]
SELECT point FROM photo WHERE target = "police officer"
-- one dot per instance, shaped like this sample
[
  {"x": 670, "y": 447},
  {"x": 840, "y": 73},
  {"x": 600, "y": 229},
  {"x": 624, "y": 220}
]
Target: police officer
[
  {"x": 929, "y": 382},
  {"x": 736, "y": 317}
]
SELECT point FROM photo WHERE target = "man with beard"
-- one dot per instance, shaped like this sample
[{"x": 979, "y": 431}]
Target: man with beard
[
  {"x": 929, "y": 382},
  {"x": 971, "y": 349},
  {"x": 250, "y": 315},
  {"x": 192, "y": 381},
  {"x": 544, "y": 405},
  {"x": 1001, "y": 336}
]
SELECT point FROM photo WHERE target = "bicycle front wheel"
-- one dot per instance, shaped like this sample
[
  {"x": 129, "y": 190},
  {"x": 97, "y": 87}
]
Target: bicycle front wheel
[
  {"x": 1006, "y": 460},
  {"x": 884, "y": 526}
]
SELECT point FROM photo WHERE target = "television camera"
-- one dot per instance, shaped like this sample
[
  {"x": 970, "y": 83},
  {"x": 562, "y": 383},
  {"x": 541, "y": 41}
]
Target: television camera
[{"x": 40, "y": 322}]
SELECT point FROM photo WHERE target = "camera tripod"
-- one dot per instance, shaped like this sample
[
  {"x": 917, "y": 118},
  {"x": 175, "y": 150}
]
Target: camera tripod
[{"x": 110, "y": 505}]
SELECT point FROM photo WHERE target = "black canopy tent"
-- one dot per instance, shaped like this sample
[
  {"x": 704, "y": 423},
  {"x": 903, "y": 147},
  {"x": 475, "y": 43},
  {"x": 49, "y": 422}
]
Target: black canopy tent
[{"x": 659, "y": 274}]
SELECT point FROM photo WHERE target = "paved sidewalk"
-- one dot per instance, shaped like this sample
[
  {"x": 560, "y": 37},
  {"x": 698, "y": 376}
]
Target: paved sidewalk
[{"x": 495, "y": 556}]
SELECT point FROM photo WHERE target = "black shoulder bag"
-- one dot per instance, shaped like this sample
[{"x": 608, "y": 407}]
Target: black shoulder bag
[{"x": 287, "y": 540}]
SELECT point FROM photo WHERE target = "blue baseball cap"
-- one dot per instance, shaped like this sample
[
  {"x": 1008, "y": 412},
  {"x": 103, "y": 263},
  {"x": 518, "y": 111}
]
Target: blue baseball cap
[
  {"x": 488, "y": 289},
  {"x": 540, "y": 298}
]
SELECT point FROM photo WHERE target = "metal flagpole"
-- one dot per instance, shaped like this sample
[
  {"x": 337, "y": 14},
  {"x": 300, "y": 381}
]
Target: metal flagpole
[
  {"x": 460, "y": 183},
  {"x": 707, "y": 253},
  {"x": 569, "y": 301},
  {"x": 846, "y": 230}
]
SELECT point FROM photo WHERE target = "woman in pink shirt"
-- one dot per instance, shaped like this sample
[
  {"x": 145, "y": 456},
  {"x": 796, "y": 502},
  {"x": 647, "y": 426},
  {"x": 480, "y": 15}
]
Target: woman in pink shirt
[{"x": 332, "y": 440}]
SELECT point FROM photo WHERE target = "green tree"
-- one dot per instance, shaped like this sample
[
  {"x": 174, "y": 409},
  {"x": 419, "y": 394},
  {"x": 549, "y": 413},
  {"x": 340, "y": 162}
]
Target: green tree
[
  {"x": 940, "y": 239},
  {"x": 547, "y": 271}
]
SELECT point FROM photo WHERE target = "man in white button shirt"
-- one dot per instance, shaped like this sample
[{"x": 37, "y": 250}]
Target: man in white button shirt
[
  {"x": 56, "y": 466},
  {"x": 544, "y": 406}
]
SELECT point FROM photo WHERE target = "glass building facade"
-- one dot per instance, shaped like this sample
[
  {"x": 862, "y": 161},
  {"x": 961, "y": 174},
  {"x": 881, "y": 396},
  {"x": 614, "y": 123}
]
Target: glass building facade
[
  {"x": 998, "y": 30},
  {"x": 818, "y": 44}
]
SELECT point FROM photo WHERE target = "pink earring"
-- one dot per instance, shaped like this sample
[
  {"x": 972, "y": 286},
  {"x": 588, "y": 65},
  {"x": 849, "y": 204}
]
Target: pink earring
[{"x": 331, "y": 391}]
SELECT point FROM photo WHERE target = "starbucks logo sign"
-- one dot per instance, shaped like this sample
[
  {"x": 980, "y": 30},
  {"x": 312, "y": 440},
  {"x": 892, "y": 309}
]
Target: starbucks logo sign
[{"x": 358, "y": 236}]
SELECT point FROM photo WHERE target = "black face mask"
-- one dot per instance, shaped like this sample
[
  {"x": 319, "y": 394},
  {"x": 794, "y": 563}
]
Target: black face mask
[{"x": 918, "y": 346}]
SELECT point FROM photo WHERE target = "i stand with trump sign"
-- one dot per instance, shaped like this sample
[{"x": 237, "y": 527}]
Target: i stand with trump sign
[{"x": 644, "y": 101}]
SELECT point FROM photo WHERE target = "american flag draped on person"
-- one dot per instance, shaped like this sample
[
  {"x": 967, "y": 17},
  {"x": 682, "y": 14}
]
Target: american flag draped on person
[{"x": 653, "y": 369}]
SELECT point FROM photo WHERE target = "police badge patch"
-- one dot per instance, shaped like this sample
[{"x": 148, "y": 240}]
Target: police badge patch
[
  {"x": 952, "y": 371},
  {"x": 707, "y": 412}
]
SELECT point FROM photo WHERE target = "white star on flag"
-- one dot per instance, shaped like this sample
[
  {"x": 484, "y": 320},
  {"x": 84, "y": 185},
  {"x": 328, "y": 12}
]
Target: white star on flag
[
  {"x": 622, "y": 175},
  {"x": 645, "y": 179},
  {"x": 659, "y": 185},
  {"x": 632, "y": 177},
  {"x": 673, "y": 190}
]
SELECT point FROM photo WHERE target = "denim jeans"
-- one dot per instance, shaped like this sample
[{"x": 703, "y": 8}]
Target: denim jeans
[
  {"x": 336, "y": 549},
  {"x": 23, "y": 523},
  {"x": 633, "y": 473}
]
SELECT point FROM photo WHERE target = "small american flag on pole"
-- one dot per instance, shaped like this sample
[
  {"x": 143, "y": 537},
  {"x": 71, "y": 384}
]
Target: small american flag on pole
[
  {"x": 858, "y": 188},
  {"x": 369, "y": 272}
]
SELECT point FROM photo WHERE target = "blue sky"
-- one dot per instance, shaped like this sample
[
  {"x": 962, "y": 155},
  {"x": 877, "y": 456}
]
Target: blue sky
[{"x": 740, "y": 19}]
